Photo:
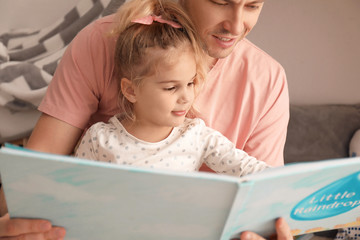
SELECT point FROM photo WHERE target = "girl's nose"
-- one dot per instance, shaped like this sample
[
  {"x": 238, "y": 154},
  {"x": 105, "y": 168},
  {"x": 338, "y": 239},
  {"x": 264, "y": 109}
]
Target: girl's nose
[{"x": 186, "y": 96}]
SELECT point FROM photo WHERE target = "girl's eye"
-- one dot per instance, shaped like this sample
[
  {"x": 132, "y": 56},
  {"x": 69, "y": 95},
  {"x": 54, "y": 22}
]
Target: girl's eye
[
  {"x": 169, "y": 88},
  {"x": 191, "y": 84}
]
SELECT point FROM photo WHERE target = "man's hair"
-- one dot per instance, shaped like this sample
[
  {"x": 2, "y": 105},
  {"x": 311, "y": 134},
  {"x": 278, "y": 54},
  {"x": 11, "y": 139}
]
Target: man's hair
[{"x": 136, "y": 41}]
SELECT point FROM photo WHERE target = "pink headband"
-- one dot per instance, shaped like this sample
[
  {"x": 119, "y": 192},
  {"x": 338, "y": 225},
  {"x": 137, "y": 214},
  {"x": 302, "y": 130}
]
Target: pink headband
[{"x": 148, "y": 20}]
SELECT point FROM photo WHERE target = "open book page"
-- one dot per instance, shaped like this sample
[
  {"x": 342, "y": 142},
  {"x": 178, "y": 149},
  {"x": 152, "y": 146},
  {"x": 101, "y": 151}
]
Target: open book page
[
  {"x": 312, "y": 197},
  {"x": 96, "y": 200}
]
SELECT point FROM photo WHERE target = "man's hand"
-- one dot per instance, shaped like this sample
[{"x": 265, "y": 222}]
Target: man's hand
[
  {"x": 29, "y": 229},
  {"x": 283, "y": 232}
]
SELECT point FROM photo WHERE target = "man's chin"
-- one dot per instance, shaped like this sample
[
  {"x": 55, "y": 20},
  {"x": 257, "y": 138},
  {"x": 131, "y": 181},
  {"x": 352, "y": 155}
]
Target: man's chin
[
  {"x": 216, "y": 51},
  {"x": 223, "y": 53}
]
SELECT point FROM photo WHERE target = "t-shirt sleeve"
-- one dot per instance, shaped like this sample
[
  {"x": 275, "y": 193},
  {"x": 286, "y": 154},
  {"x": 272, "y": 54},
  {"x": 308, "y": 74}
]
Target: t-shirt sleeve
[
  {"x": 94, "y": 145},
  {"x": 87, "y": 147},
  {"x": 267, "y": 141},
  {"x": 75, "y": 90},
  {"x": 221, "y": 155}
]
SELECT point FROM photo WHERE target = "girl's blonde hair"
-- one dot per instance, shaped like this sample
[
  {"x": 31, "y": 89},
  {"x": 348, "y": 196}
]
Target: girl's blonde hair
[{"x": 134, "y": 40}]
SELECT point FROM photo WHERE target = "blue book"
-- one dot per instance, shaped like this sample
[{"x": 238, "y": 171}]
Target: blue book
[{"x": 95, "y": 200}]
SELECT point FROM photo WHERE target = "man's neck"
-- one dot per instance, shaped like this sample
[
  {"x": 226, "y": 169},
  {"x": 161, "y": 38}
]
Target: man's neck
[{"x": 211, "y": 62}]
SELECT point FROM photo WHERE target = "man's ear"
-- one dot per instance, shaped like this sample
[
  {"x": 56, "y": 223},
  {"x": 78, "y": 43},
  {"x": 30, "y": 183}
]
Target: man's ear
[{"x": 128, "y": 90}]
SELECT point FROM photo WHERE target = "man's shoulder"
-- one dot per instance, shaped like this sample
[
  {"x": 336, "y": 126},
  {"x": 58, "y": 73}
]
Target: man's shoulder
[
  {"x": 103, "y": 24},
  {"x": 253, "y": 55},
  {"x": 110, "y": 19},
  {"x": 96, "y": 37}
]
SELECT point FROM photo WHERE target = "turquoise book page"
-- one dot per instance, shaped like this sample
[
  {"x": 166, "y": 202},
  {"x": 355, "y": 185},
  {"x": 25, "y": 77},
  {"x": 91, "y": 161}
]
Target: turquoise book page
[
  {"x": 312, "y": 197},
  {"x": 94, "y": 200}
]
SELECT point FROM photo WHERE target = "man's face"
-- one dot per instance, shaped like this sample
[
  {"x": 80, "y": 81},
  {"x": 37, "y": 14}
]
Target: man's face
[{"x": 221, "y": 24}]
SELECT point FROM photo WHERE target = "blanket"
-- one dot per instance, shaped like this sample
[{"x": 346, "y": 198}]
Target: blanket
[{"x": 28, "y": 60}]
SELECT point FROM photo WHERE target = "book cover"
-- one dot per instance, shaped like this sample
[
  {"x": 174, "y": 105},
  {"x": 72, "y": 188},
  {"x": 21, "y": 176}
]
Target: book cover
[
  {"x": 312, "y": 197},
  {"x": 95, "y": 200}
]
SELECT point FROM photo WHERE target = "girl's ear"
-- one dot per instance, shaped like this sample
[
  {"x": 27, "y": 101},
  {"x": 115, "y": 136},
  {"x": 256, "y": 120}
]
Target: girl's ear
[{"x": 128, "y": 90}]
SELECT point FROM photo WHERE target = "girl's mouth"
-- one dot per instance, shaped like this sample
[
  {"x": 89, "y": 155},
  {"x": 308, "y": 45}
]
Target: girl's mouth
[{"x": 179, "y": 113}]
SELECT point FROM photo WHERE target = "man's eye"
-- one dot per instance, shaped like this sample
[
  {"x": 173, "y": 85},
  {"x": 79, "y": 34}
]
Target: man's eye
[
  {"x": 219, "y": 2},
  {"x": 253, "y": 7}
]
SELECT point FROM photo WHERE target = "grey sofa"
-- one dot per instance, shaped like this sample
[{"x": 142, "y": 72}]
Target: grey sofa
[{"x": 318, "y": 132}]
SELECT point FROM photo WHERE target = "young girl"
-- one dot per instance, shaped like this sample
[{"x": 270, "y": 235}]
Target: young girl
[{"x": 160, "y": 68}]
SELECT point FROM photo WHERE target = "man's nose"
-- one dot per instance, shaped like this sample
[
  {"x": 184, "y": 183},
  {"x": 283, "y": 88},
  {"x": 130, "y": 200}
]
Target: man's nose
[{"x": 235, "y": 22}]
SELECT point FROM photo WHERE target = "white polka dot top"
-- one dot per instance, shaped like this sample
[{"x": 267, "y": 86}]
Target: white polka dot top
[{"x": 185, "y": 149}]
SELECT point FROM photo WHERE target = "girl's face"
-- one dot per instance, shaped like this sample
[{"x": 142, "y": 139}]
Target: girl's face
[{"x": 164, "y": 99}]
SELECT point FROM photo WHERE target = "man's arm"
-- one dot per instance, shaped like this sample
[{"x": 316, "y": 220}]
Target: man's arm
[
  {"x": 3, "y": 207},
  {"x": 52, "y": 135}
]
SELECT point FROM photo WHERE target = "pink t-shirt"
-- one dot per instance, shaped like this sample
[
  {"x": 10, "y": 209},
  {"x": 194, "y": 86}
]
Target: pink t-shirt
[{"x": 245, "y": 97}]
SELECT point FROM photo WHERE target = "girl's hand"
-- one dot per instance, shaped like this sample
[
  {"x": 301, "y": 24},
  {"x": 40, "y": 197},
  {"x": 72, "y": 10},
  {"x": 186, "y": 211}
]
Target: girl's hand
[{"x": 29, "y": 229}]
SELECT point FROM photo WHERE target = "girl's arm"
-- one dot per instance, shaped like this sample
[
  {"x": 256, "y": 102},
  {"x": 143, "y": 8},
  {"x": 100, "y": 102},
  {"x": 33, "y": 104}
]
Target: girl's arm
[{"x": 223, "y": 157}]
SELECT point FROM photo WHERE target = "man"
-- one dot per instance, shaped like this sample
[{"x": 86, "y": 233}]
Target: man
[{"x": 245, "y": 96}]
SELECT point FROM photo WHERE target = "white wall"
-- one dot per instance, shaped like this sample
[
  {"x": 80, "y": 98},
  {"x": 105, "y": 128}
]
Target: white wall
[
  {"x": 317, "y": 41},
  {"x": 32, "y": 13}
]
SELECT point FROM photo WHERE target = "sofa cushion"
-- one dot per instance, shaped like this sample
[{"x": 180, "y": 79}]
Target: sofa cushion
[{"x": 318, "y": 132}]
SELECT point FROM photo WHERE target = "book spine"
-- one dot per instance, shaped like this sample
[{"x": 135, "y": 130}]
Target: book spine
[{"x": 232, "y": 225}]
